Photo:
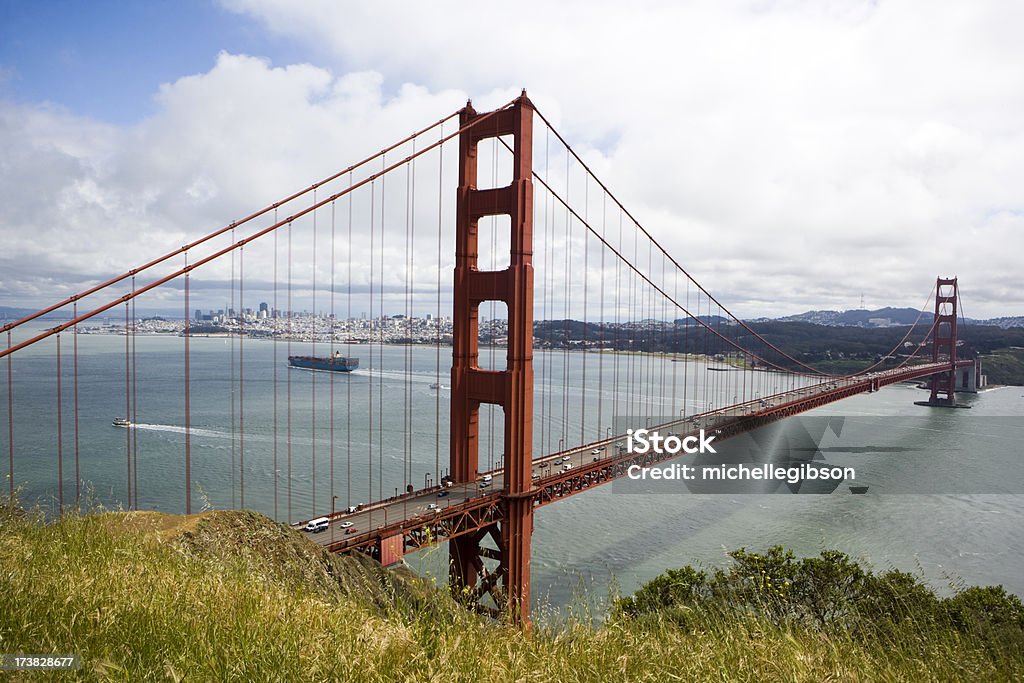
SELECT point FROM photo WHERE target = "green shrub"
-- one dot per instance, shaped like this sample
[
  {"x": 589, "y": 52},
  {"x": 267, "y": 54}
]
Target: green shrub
[{"x": 829, "y": 593}]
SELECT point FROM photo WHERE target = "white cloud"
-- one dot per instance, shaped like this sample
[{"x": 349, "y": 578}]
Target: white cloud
[
  {"x": 791, "y": 154},
  {"x": 85, "y": 201},
  {"x": 856, "y": 146}
]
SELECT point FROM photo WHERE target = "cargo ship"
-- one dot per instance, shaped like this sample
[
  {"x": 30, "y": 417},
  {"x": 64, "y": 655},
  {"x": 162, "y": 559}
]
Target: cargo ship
[{"x": 335, "y": 363}]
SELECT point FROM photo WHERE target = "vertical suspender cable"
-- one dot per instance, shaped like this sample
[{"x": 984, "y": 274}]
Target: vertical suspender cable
[
  {"x": 663, "y": 338},
  {"x": 275, "y": 339},
  {"x": 746, "y": 371},
  {"x": 539, "y": 265},
  {"x": 704, "y": 401},
  {"x": 312, "y": 382},
  {"x": 636, "y": 316},
  {"x": 714, "y": 319},
  {"x": 371, "y": 368},
  {"x": 406, "y": 376},
  {"x": 567, "y": 295},
  {"x": 60, "y": 439},
  {"x": 630, "y": 359},
  {"x": 643, "y": 357},
  {"x": 616, "y": 410},
  {"x": 552, "y": 256},
  {"x": 135, "y": 408},
  {"x": 74, "y": 331},
  {"x": 545, "y": 427},
  {"x": 127, "y": 406},
  {"x": 334, "y": 327},
  {"x": 241, "y": 376},
  {"x": 650, "y": 310},
  {"x": 675, "y": 341},
  {"x": 437, "y": 316},
  {"x": 380, "y": 375},
  {"x": 720, "y": 399},
  {"x": 687, "y": 358},
  {"x": 231, "y": 394},
  {"x": 188, "y": 407},
  {"x": 586, "y": 283},
  {"x": 601, "y": 320},
  {"x": 409, "y": 314},
  {"x": 288, "y": 377},
  {"x": 348, "y": 352},
  {"x": 10, "y": 423},
  {"x": 407, "y": 347}
]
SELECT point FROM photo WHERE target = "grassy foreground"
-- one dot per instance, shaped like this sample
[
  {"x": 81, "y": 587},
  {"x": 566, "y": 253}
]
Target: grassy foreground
[{"x": 228, "y": 596}]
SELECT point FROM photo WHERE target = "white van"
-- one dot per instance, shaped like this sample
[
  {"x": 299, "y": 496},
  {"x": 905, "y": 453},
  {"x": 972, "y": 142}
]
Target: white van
[{"x": 315, "y": 525}]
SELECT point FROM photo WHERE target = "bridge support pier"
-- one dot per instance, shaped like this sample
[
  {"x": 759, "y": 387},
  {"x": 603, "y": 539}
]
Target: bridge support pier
[
  {"x": 511, "y": 388},
  {"x": 968, "y": 380}
]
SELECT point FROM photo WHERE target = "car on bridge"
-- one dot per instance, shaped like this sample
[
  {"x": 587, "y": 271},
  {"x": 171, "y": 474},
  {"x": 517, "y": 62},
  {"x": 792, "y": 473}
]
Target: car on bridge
[{"x": 317, "y": 525}]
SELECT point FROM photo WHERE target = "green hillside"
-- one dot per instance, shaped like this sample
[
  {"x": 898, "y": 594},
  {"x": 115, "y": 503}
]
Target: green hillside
[
  {"x": 1004, "y": 366},
  {"x": 233, "y": 596}
]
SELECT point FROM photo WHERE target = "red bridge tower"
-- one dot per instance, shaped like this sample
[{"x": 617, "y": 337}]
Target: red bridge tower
[
  {"x": 509, "y": 583},
  {"x": 944, "y": 341}
]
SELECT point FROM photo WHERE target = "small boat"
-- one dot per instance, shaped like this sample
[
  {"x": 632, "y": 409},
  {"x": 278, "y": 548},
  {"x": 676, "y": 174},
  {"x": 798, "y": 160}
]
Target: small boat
[
  {"x": 121, "y": 422},
  {"x": 858, "y": 489},
  {"x": 435, "y": 385}
]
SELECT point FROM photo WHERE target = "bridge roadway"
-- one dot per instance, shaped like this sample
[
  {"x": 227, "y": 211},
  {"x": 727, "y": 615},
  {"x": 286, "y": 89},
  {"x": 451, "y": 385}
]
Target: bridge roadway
[{"x": 389, "y": 528}]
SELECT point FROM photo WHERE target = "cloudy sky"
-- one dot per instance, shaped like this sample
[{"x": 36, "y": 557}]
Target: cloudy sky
[{"x": 792, "y": 154}]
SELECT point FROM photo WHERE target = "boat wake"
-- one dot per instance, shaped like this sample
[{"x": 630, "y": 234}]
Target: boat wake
[
  {"x": 429, "y": 378},
  {"x": 194, "y": 431},
  {"x": 250, "y": 437}
]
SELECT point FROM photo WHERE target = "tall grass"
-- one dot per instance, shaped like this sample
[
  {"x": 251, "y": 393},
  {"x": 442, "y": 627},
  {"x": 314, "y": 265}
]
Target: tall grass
[{"x": 152, "y": 597}]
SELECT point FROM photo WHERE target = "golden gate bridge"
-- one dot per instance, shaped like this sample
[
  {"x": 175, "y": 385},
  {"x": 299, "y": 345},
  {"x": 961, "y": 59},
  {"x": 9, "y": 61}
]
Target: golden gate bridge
[{"x": 530, "y": 233}]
